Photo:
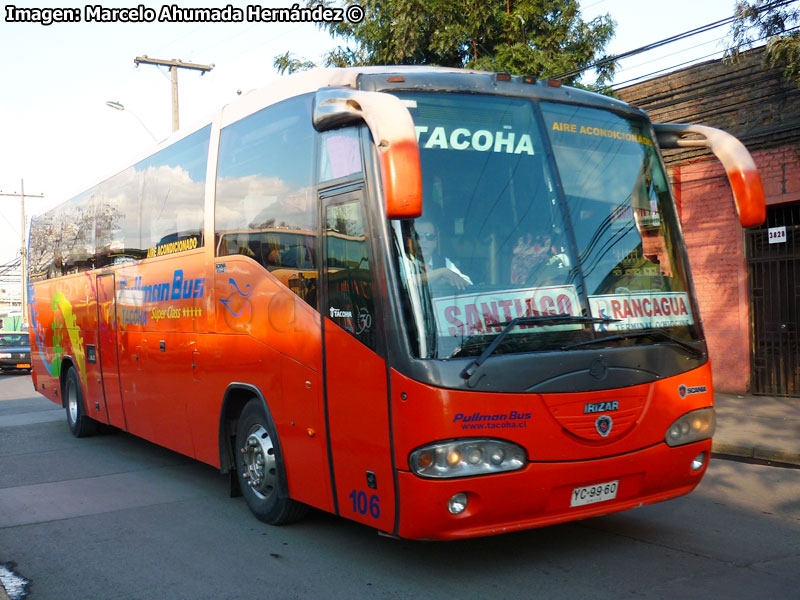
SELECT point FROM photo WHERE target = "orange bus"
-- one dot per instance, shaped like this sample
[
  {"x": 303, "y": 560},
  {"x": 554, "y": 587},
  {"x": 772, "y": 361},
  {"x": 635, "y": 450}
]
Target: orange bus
[{"x": 439, "y": 302}]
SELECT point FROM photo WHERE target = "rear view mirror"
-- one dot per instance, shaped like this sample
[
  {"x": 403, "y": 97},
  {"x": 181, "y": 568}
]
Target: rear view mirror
[
  {"x": 748, "y": 193},
  {"x": 395, "y": 138}
]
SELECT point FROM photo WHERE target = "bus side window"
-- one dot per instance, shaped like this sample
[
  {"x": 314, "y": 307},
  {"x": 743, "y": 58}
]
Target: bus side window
[
  {"x": 349, "y": 273},
  {"x": 44, "y": 236},
  {"x": 264, "y": 204},
  {"x": 339, "y": 154},
  {"x": 140, "y": 212},
  {"x": 75, "y": 252},
  {"x": 172, "y": 193}
]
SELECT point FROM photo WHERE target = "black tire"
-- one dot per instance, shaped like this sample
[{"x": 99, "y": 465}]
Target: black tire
[
  {"x": 79, "y": 424},
  {"x": 260, "y": 469}
]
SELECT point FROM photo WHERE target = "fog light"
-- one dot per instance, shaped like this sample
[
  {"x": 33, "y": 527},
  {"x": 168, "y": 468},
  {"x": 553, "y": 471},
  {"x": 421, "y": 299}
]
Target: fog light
[
  {"x": 457, "y": 504},
  {"x": 699, "y": 461}
]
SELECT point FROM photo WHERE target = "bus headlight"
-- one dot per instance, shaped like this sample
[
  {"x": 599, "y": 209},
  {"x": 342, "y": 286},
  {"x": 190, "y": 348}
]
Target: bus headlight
[
  {"x": 464, "y": 458},
  {"x": 692, "y": 427}
]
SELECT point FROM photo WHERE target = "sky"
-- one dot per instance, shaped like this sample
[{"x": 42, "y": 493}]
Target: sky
[{"x": 58, "y": 135}]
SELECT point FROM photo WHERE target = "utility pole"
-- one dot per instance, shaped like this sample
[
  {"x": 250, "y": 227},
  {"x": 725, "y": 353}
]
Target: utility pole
[
  {"x": 22, "y": 248},
  {"x": 173, "y": 65}
]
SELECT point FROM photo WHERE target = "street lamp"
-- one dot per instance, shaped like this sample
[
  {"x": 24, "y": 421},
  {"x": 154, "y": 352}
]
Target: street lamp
[{"x": 119, "y": 106}]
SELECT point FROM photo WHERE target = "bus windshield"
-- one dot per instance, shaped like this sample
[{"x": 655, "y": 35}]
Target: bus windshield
[{"x": 537, "y": 208}]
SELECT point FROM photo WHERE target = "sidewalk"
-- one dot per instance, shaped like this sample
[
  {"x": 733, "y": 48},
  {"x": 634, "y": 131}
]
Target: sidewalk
[{"x": 759, "y": 427}]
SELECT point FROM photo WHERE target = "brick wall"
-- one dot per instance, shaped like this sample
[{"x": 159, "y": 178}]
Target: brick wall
[
  {"x": 716, "y": 253},
  {"x": 780, "y": 173},
  {"x": 761, "y": 109}
]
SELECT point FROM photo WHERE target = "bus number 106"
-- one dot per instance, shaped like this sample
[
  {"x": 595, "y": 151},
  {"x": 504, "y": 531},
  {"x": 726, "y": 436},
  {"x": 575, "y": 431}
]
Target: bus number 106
[{"x": 363, "y": 504}]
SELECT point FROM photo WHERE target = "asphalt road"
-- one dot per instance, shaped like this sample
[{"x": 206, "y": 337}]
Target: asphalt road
[{"x": 113, "y": 516}]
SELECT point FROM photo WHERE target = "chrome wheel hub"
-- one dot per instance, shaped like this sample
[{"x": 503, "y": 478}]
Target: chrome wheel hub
[
  {"x": 258, "y": 459},
  {"x": 72, "y": 401}
]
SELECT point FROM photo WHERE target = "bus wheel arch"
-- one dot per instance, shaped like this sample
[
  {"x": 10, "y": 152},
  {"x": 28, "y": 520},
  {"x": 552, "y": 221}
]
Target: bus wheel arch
[
  {"x": 72, "y": 398},
  {"x": 236, "y": 398},
  {"x": 66, "y": 364},
  {"x": 257, "y": 457}
]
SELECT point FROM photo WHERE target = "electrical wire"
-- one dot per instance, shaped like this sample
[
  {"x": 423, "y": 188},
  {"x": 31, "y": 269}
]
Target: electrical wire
[
  {"x": 680, "y": 36},
  {"x": 641, "y": 49},
  {"x": 670, "y": 68},
  {"x": 617, "y": 86},
  {"x": 717, "y": 86},
  {"x": 592, "y": 4},
  {"x": 681, "y": 51}
]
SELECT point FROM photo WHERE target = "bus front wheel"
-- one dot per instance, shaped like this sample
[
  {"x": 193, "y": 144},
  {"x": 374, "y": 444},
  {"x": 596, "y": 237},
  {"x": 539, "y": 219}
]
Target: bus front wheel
[
  {"x": 260, "y": 468},
  {"x": 79, "y": 424}
]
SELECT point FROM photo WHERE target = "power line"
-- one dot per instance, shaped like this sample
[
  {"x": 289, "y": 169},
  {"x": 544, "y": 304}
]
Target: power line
[
  {"x": 9, "y": 223},
  {"x": 692, "y": 32},
  {"x": 670, "y": 68},
  {"x": 688, "y": 62},
  {"x": 658, "y": 44},
  {"x": 689, "y": 105},
  {"x": 726, "y": 107},
  {"x": 10, "y": 268},
  {"x": 723, "y": 82},
  {"x": 681, "y": 51},
  {"x": 592, "y": 4},
  {"x": 21, "y": 195}
]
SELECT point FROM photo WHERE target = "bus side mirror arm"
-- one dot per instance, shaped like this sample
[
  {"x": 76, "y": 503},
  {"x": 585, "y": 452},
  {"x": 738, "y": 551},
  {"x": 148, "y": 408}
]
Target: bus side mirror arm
[
  {"x": 395, "y": 137},
  {"x": 748, "y": 193}
]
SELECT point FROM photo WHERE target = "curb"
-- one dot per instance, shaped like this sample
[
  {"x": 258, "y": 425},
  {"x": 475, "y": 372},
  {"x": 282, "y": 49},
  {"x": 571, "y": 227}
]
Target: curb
[{"x": 756, "y": 453}]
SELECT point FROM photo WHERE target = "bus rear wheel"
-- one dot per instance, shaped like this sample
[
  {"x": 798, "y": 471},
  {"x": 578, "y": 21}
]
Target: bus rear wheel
[
  {"x": 260, "y": 468},
  {"x": 79, "y": 424}
]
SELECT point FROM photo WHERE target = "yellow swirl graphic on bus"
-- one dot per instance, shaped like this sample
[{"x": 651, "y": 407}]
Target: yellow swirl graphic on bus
[{"x": 71, "y": 326}]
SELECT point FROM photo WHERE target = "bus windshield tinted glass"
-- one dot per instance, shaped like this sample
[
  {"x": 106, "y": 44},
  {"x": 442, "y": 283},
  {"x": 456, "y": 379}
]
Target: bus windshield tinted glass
[
  {"x": 503, "y": 236},
  {"x": 622, "y": 216}
]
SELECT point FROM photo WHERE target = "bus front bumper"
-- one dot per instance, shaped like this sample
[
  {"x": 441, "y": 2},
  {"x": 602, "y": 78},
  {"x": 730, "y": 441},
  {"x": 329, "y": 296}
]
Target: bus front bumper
[{"x": 542, "y": 493}]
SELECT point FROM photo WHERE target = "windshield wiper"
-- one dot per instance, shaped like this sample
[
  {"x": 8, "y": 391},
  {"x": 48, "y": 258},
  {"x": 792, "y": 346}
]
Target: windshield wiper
[
  {"x": 635, "y": 334},
  {"x": 538, "y": 320}
]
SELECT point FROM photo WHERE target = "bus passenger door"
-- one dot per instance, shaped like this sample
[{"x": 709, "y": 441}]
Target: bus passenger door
[
  {"x": 107, "y": 349},
  {"x": 357, "y": 406}
]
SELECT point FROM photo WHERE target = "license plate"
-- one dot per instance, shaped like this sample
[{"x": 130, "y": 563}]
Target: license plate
[
  {"x": 594, "y": 493},
  {"x": 23, "y": 366}
]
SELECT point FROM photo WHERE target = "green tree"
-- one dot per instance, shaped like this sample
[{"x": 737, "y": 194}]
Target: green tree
[
  {"x": 287, "y": 62},
  {"x": 774, "y": 20},
  {"x": 524, "y": 37}
]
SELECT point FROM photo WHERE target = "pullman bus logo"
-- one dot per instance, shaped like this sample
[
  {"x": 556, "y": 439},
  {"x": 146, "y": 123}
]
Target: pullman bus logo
[{"x": 603, "y": 425}]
